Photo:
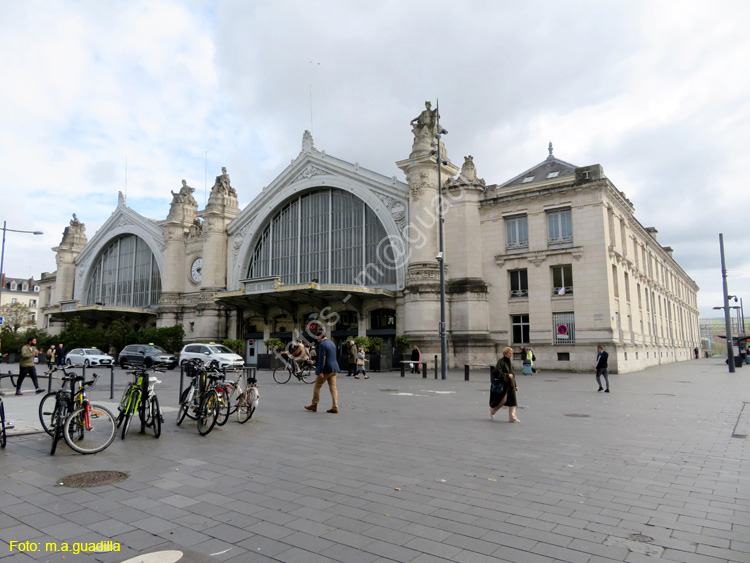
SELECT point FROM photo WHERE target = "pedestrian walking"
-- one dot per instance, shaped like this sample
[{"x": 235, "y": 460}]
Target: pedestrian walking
[
  {"x": 528, "y": 358},
  {"x": 60, "y": 355},
  {"x": 27, "y": 368},
  {"x": 503, "y": 387},
  {"x": 416, "y": 359},
  {"x": 327, "y": 369},
  {"x": 50, "y": 357},
  {"x": 352, "y": 357},
  {"x": 601, "y": 368},
  {"x": 361, "y": 364}
]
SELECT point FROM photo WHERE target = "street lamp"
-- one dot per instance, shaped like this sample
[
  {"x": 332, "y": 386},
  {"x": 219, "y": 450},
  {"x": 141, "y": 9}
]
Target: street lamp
[
  {"x": 727, "y": 323},
  {"x": 2, "y": 253},
  {"x": 441, "y": 257}
]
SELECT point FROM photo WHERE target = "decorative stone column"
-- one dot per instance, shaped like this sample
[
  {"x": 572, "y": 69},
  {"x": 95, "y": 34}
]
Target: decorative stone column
[
  {"x": 73, "y": 241},
  {"x": 466, "y": 287},
  {"x": 421, "y": 301}
]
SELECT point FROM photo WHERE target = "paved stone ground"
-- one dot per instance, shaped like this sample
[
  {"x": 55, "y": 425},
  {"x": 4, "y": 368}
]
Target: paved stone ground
[{"x": 412, "y": 470}]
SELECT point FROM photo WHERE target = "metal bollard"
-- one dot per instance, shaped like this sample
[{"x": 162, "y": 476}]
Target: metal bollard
[
  {"x": 436, "y": 367},
  {"x": 111, "y": 382},
  {"x": 424, "y": 370},
  {"x": 466, "y": 372},
  {"x": 402, "y": 369},
  {"x": 182, "y": 375}
]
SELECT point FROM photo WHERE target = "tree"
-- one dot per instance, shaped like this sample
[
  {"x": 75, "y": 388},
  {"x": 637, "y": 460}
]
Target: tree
[
  {"x": 16, "y": 316},
  {"x": 234, "y": 345},
  {"x": 119, "y": 334}
]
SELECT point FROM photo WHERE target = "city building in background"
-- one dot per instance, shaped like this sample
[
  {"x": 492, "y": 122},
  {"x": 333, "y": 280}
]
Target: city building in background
[
  {"x": 22, "y": 291},
  {"x": 553, "y": 258}
]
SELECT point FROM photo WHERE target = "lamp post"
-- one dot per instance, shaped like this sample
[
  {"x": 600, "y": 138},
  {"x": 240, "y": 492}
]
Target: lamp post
[
  {"x": 440, "y": 257},
  {"x": 727, "y": 322},
  {"x": 2, "y": 253}
]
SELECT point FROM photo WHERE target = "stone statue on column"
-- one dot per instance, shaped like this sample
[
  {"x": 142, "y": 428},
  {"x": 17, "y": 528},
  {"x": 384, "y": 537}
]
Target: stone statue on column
[{"x": 424, "y": 129}]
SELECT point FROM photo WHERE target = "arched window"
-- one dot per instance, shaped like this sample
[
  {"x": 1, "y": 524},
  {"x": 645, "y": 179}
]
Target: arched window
[
  {"x": 327, "y": 236},
  {"x": 125, "y": 275}
]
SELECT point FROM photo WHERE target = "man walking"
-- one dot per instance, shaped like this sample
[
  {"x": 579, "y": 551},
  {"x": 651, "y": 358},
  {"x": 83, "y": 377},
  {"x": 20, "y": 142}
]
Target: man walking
[
  {"x": 352, "y": 356},
  {"x": 601, "y": 369},
  {"x": 60, "y": 355},
  {"x": 27, "y": 367},
  {"x": 326, "y": 369}
]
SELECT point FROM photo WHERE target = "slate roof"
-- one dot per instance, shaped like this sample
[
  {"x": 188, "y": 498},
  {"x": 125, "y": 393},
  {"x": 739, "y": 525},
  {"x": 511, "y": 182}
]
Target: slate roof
[{"x": 541, "y": 172}]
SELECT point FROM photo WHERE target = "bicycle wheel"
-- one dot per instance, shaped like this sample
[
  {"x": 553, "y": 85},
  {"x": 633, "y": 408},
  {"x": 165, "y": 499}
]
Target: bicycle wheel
[
  {"x": 307, "y": 376},
  {"x": 58, "y": 418},
  {"x": 222, "y": 412},
  {"x": 234, "y": 394},
  {"x": 246, "y": 409},
  {"x": 2, "y": 424},
  {"x": 282, "y": 375},
  {"x": 122, "y": 408},
  {"x": 153, "y": 415},
  {"x": 126, "y": 418},
  {"x": 47, "y": 412},
  {"x": 93, "y": 438},
  {"x": 207, "y": 412}
]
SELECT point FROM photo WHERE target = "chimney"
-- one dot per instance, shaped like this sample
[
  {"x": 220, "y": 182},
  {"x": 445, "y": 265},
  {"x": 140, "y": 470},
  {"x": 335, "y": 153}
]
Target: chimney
[
  {"x": 653, "y": 232},
  {"x": 668, "y": 250}
]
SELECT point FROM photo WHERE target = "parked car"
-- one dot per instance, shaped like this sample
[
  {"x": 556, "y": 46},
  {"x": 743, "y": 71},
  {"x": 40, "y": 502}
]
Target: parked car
[
  {"x": 208, "y": 352},
  {"x": 88, "y": 357},
  {"x": 146, "y": 355}
]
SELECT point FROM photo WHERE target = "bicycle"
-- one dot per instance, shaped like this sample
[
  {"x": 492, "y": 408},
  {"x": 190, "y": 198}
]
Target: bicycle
[
  {"x": 243, "y": 396},
  {"x": 87, "y": 428},
  {"x": 199, "y": 401},
  {"x": 284, "y": 373},
  {"x": 132, "y": 402}
]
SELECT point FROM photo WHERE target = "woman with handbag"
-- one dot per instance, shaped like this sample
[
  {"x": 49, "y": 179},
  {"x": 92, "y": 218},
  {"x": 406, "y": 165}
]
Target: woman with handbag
[{"x": 503, "y": 387}]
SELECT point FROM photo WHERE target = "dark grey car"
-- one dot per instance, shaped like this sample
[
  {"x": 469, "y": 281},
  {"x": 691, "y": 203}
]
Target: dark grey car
[{"x": 146, "y": 355}]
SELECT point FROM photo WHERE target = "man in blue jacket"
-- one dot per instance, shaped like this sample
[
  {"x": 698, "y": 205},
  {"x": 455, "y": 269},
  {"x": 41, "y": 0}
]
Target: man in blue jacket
[{"x": 326, "y": 369}]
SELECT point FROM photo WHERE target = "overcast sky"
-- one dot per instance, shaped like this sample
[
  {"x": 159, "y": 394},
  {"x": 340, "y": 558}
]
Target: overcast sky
[{"x": 654, "y": 91}]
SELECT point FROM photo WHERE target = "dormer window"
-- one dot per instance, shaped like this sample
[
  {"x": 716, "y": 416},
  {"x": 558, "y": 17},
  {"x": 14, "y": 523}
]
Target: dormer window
[
  {"x": 554, "y": 174},
  {"x": 527, "y": 179},
  {"x": 13, "y": 286},
  {"x": 25, "y": 287}
]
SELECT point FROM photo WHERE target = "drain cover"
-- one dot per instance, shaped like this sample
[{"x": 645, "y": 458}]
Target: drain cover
[
  {"x": 641, "y": 538},
  {"x": 92, "y": 479},
  {"x": 579, "y": 415}
]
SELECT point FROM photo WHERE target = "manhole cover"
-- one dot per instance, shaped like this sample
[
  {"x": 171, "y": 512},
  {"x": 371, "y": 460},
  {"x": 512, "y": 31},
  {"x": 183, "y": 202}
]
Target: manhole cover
[
  {"x": 579, "y": 415},
  {"x": 92, "y": 479},
  {"x": 641, "y": 538},
  {"x": 389, "y": 390}
]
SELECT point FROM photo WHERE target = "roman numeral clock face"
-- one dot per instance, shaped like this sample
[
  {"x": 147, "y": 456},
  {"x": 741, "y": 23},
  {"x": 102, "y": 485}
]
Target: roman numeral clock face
[{"x": 196, "y": 270}]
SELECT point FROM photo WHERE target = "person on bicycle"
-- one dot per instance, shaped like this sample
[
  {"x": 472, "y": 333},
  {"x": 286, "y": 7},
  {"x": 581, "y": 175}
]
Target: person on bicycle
[{"x": 299, "y": 356}]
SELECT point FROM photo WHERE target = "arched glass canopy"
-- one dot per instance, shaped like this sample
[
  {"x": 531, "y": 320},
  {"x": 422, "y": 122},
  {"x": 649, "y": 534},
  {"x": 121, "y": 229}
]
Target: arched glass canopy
[
  {"x": 125, "y": 275},
  {"x": 328, "y": 236}
]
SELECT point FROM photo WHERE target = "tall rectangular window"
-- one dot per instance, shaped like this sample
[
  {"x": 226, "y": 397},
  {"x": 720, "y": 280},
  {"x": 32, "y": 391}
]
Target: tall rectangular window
[
  {"x": 516, "y": 232},
  {"x": 564, "y": 328},
  {"x": 614, "y": 281},
  {"x": 627, "y": 287},
  {"x": 520, "y": 327},
  {"x": 519, "y": 283},
  {"x": 562, "y": 279},
  {"x": 559, "y": 226}
]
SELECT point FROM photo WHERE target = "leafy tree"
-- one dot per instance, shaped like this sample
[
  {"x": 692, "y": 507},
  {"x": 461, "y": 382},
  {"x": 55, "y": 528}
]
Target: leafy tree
[
  {"x": 119, "y": 334},
  {"x": 273, "y": 344},
  {"x": 402, "y": 343},
  {"x": 376, "y": 345},
  {"x": 235, "y": 346},
  {"x": 362, "y": 342},
  {"x": 16, "y": 316}
]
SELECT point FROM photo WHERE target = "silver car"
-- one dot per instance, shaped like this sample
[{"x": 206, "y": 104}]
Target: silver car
[
  {"x": 211, "y": 352},
  {"x": 88, "y": 357}
]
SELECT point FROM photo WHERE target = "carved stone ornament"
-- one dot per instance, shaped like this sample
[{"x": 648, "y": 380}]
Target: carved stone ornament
[
  {"x": 308, "y": 144},
  {"x": 184, "y": 196},
  {"x": 468, "y": 175},
  {"x": 309, "y": 172},
  {"x": 75, "y": 233},
  {"x": 238, "y": 238},
  {"x": 417, "y": 182},
  {"x": 222, "y": 186}
]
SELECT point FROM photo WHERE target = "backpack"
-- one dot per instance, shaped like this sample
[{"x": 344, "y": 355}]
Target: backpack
[{"x": 533, "y": 356}]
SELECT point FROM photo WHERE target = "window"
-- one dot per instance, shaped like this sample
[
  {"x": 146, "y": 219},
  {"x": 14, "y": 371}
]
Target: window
[
  {"x": 527, "y": 179},
  {"x": 13, "y": 286},
  {"x": 25, "y": 287},
  {"x": 553, "y": 174},
  {"x": 519, "y": 283},
  {"x": 564, "y": 329},
  {"x": 516, "y": 232},
  {"x": 14, "y": 300},
  {"x": 32, "y": 302},
  {"x": 520, "y": 327},
  {"x": 562, "y": 280},
  {"x": 638, "y": 290},
  {"x": 36, "y": 288},
  {"x": 381, "y": 319},
  {"x": 615, "y": 284},
  {"x": 559, "y": 227},
  {"x": 624, "y": 237},
  {"x": 627, "y": 287}
]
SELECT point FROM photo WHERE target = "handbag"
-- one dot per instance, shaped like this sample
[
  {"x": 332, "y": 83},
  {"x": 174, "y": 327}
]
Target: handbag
[{"x": 497, "y": 386}]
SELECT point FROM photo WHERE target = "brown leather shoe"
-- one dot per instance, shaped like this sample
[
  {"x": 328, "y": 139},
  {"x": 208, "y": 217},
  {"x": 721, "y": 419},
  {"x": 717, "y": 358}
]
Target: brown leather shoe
[
  {"x": 333, "y": 410},
  {"x": 312, "y": 408}
]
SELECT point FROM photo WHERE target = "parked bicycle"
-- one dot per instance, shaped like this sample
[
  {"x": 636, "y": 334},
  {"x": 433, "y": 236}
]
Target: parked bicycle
[
  {"x": 132, "y": 401},
  {"x": 284, "y": 373},
  {"x": 243, "y": 395},
  {"x": 67, "y": 413},
  {"x": 200, "y": 401}
]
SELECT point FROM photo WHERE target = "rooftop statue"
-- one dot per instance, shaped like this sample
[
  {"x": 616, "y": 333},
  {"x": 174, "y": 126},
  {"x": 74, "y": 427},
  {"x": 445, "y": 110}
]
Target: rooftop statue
[
  {"x": 185, "y": 195},
  {"x": 223, "y": 184},
  {"x": 426, "y": 122}
]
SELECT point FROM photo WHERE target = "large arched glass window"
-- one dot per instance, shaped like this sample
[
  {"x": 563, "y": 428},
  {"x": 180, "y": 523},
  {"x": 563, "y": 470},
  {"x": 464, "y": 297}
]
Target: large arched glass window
[
  {"x": 126, "y": 275},
  {"x": 327, "y": 236}
]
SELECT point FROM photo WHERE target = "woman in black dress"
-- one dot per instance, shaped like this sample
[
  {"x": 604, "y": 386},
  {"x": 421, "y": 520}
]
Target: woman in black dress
[{"x": 503, "y": 387}]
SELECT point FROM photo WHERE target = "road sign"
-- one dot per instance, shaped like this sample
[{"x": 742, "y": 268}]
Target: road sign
[{"x": 1, "y": 320}]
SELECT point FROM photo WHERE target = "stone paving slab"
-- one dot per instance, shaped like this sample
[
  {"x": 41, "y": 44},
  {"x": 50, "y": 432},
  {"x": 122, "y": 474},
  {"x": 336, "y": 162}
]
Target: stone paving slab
[{"x": 411, "y": 469}]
